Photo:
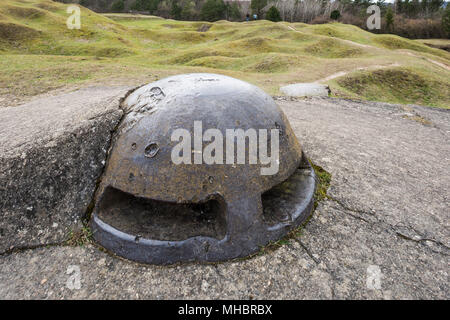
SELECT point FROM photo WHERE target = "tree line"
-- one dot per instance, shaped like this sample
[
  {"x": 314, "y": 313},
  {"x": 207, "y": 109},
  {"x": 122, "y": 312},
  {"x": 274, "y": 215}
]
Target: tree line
[{"x": 408, "y": 18}]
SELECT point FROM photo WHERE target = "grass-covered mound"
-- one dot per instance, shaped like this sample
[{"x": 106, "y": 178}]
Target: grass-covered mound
[
  {"x": 400, "y": 85},
  {"x": 39, "y": 53}
]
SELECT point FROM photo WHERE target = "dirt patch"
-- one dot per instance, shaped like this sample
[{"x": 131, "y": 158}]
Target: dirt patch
[
  {"x": 343, "y": 73},
  {"x": 395, "y": 43},
  {"x": 22, "y": 12},
  {"x": 204, "y": 27},
  {"x": 174, "y": 26},
  {"x": 357, "y": 44},
  {"x": 48, "y": 5},
  {"x": 440, "y": 64},
  {"x": 16, "y": 32},
  {"x": 443, "y": 46}
]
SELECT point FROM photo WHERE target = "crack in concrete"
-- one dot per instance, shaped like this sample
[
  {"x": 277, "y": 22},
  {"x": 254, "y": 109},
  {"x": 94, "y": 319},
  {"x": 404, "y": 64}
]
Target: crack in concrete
[
  {"x": 322, "y": 265},
  {"x": 217, "y": 271},
  {"x": 393, "y": 228},
  {"x": 347, "y": 208},
  {"x": 87, "y": 215},
  {"x": 33, "y": 247},
  {"x": 308, "y": 252},
  {"x": 423, "y": 241}
]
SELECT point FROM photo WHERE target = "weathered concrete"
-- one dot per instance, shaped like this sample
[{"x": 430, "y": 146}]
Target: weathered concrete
[
  {"x": 306, "y": 90},
  {"x": 52, "y": 150},
  {"x": 388, "y": 209}
]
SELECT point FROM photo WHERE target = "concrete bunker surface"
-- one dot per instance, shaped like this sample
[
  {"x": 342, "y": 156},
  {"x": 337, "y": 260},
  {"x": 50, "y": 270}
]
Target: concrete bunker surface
[{"x": 338, "y": 243}]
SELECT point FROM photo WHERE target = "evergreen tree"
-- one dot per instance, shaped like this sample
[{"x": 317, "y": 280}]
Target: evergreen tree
[
  {"x": 118, "y": 6},
  {"x": 273, "y": 14},
  {"x": 84, "y": 3},
  {"x": 446, "y": 21},
  {"x": 233, "y": 11},
  {"x": 425, "y": 6},
  {"x": 406, "y": 7},
  {"x": 415, "y": 8},
  {"x": 213, "y": 10},
  {"x": 335, "y": 14},
  {"x": 435, "y": 5},
  {"x": 258, "y": 5},
  {"x": 145, "y": 5},
  {"x": 389, "y": 19},
  {"x": 187, "y": 12},
  {"x": 399, "y": 6},
  {"x": 175, "y": 11}
]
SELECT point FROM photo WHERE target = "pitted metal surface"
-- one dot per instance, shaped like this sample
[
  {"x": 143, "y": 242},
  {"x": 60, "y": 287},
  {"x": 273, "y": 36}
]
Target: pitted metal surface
[{"x": 151, "y": 210}]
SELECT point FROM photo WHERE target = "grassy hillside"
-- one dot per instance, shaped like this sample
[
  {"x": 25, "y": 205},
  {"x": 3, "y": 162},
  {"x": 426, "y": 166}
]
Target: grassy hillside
[
  {"x": 443, "y": 44},
  {"x": 39, "y": 53}
]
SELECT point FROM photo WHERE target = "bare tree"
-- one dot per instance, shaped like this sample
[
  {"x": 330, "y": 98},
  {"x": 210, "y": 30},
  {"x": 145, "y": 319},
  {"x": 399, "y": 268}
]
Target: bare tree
[{"x": 305, "y": 10}]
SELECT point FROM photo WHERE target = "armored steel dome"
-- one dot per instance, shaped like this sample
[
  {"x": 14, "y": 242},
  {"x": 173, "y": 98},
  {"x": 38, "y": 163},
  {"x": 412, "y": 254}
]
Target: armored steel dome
[{"x": 202, "y": 167}]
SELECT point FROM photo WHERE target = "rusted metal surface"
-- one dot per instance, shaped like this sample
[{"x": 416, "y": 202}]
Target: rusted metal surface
[{"x": 151, "y": 210}]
